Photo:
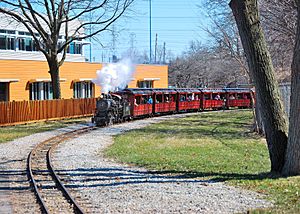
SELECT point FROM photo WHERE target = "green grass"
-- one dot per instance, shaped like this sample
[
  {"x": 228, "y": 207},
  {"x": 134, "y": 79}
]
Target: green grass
[
  {"x": 214, "y": 146},
  {"x": 12, "y": 132}
]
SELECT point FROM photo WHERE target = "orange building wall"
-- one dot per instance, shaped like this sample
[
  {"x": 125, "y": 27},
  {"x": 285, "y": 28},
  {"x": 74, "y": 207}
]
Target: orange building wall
[
  {"x": 27, "y": 70},
  {"x": 151, "y": 71}
]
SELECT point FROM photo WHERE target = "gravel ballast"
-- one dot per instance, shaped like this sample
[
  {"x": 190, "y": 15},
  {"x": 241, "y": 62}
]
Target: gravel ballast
[
  {"x": 16, "y": 195},
  {"x": 117, "y": 188}
]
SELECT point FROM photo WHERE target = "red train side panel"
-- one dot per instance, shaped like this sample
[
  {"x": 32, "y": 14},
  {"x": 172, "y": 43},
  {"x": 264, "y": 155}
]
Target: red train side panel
[
  {"x": 188, "y": 99},
  {"x": 238, "y": 97},
  {"x": 212, "y": 98},
  {"x": 165, "y": 100}
]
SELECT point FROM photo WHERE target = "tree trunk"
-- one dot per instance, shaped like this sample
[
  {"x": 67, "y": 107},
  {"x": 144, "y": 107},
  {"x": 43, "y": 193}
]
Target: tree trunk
[
  {"x": 292, "y": 164},
  {"x": 54, "y": 72},
  {"x": 261, "y": 68},
  {"x": 258, "y": 123}
]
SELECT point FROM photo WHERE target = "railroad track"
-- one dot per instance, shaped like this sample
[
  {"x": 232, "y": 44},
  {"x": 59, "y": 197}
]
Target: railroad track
[{"x": 51, "y": 193}]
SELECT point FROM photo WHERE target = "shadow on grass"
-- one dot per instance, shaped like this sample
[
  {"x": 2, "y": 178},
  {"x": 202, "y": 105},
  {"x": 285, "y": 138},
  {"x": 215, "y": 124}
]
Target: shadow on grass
[
  {"x": 190, "y": 132},
  {"x": 220, "y": 177}
]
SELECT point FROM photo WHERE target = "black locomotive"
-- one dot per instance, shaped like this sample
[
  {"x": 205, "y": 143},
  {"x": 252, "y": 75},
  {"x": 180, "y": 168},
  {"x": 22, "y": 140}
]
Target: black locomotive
[{"x": 110, "y": 109}]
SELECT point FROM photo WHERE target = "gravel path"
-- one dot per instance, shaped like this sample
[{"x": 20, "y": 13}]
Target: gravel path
[{"x": 114, "y": 188}]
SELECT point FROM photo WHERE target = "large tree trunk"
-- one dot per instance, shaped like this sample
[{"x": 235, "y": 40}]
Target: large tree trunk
[
  {"x": 54, "y": 72},
  {"x": 258, "y": 123},
  {"x": 261, "y": 68},
  {"x": 292, "y": 164}
]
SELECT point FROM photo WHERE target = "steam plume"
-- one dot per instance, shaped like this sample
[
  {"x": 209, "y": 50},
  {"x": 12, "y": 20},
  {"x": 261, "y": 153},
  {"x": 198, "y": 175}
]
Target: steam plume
[{"x": 114, "y": 76}]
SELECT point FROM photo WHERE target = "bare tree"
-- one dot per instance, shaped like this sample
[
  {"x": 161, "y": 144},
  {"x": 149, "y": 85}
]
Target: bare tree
[
  {"x": 201, "y": 66},
  {"x": 260, "y": 65},
  {"x": 55, "y": 24},
  {"x": 279, "y": 22},
  {"x": 292, "y": 162},
  {"x": 224, "y": 32}
]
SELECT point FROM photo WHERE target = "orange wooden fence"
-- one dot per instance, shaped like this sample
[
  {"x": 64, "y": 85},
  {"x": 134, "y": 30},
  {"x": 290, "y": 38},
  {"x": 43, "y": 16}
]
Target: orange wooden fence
[{"x": 24, "y": 111}]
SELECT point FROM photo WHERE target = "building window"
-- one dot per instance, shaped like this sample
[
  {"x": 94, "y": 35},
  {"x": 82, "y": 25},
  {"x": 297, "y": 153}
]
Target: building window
[
  {"x": 3, "y": 42},
  {"x": 145, "y": 84},
  {"x": 25, "y": 44},
  {"x": 41, "y": 91},
  {"x": 78, "y": 48},
  {"x": 4, "y": 91},
  {"x": 71, "y": 48},
  {"x": 83, "y": 89},
  {"x": 74, "y": 48},
  {"x": 7, "y": 43}
]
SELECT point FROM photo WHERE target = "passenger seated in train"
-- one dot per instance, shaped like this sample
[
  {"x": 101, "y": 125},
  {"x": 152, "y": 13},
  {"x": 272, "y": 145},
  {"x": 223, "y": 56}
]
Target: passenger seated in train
[
  {"x": 167, "y": 99},
  {"x": 217, "y": 97},
  {"x": 135, "y": 103},
  {"x": 150, "y": 101},
  {"x": 231, "y": 97}
]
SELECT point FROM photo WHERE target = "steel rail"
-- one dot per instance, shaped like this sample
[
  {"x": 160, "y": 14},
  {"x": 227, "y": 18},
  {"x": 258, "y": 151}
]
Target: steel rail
[
  {"x": 55, "y": 140},
  {"x": 33, "y": 183}
]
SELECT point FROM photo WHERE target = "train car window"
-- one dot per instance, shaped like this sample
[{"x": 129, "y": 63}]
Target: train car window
[
  {"x": 216, "y": 97},
  {"x": 167, "y": 98},
  {"x": 138, "y": 100},
  {"x": 173, "y": 98},
  {"x": 158, "y": 98},
  {"x": 246, "y": 96},
  {"x": 182, "y": 97},
  {"x": 190, "y": 97},
  {"x": 144, "y": 99},
  {"x": 207, "y": 96},
  {"x": 239, "y": 96}
]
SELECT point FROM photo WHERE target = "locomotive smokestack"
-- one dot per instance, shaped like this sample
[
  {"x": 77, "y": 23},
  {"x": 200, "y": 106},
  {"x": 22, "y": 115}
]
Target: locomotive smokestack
[{"x": 115, "y": 76}]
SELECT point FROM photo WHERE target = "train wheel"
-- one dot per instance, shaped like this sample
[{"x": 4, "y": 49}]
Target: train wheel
[{"x": 110, "y": 119}]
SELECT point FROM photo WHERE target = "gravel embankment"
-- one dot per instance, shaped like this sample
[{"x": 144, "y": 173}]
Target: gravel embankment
[{"x": 116, "y": 188}]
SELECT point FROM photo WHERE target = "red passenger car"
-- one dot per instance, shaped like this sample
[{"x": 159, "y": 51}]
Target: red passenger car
[
  {"x": 212, "y": 98},
  {"x": 188, "y": 99},
  {"x": 238, "y": 97},
  {"x": 141, "y": 101},
  {"x": 164, "y": 100}
]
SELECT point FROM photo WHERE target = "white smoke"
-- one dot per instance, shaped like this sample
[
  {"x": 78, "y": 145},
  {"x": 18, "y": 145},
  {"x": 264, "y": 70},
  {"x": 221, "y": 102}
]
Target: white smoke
[{"x": 115, "y": 76}]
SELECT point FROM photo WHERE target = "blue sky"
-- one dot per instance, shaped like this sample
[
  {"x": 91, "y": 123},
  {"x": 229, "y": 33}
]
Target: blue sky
[{"x": 176, "y": 23}]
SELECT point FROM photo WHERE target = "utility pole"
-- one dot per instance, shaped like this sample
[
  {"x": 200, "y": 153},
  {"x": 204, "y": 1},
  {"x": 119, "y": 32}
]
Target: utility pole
[
  {"x": 150, "y": 31},
  {"x": 132, "y": 41},
  {"x": 164, "y": 54},
  {"x": 155, "y": 51},
  {"x": 90, "y": 37},
  {"x": 114, "y": 41}
]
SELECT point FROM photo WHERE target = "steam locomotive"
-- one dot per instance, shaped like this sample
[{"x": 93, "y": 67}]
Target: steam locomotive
[
  {"x": 110, "y": 109},
  {"x": 133, "y": 103}
]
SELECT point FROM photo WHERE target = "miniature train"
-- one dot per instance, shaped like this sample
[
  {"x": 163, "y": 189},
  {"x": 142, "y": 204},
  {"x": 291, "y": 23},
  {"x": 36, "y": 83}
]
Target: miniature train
[{"x": 133, "y": 103}]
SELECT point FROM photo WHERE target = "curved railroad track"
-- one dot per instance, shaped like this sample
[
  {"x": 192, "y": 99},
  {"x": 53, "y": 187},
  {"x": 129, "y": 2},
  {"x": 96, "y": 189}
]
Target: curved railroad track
[{"x": 51, "y": 193}]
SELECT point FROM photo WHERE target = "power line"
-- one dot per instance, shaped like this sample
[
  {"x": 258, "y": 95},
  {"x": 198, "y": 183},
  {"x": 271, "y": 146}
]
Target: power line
[{"x": 170, "y": 17}]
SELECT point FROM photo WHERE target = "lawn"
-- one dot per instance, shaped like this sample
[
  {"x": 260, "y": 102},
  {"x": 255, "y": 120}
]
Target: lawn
[
  {"x": 12, "y": 132},
  {"x": 216, "y": 145}
]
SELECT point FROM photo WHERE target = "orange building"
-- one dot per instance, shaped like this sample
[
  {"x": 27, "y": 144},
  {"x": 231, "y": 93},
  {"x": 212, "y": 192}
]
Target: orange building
[
  {"x": 30, "y": 80},
  {"x": 24, "y": 70}
]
